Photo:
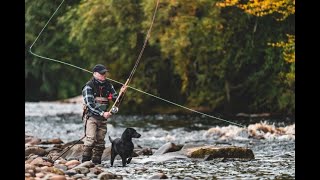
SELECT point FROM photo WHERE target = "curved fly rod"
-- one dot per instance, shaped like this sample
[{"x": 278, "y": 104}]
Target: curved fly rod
[{"x": 115, "y": 106}]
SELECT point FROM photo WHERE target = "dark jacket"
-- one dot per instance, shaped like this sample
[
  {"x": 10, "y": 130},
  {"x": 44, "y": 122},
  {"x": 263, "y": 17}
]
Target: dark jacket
[{"x": 94, "y": 89}]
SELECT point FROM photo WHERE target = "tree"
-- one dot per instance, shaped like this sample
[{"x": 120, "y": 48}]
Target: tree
[{"x": 281, "y": 10}]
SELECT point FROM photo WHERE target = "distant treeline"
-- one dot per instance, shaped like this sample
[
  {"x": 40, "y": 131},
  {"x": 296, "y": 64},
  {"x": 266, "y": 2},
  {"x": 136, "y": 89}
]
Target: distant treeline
[{"x": 202, "y": 54}]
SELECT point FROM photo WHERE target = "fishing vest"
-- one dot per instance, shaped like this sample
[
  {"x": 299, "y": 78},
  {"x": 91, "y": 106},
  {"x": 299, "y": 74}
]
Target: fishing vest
[{"x": 102, "y": 93}]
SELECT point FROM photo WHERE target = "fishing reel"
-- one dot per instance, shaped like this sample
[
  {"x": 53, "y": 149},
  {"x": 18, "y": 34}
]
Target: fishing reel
[{"x": 114, "y": 110}]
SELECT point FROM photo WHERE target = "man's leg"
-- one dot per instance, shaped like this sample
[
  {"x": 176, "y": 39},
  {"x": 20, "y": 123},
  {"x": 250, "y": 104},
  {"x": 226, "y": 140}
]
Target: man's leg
[
  {"x": 89, "y": 142},
  {"x": 100, "y": 144}
]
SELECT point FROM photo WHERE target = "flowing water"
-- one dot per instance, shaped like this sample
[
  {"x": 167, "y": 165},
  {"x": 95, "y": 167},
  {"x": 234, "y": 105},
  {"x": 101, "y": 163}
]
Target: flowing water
[{"x": 272, "y": 142}]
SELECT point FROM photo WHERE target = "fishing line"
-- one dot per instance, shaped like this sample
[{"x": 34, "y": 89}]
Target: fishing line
[{"x": 162, "y": 99}]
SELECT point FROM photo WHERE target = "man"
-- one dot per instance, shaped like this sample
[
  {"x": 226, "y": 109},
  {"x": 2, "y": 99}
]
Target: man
[{"x": 96, "y": 94}]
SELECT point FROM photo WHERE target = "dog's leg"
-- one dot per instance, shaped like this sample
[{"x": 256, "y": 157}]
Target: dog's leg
[
  {"x": 129, "y": 160},
  {"x": 124, "y": 161},
  {"x": 113, "y": 155}
]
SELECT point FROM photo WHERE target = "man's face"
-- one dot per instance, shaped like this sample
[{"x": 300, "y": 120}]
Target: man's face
[{"x": 99, "y": 76}]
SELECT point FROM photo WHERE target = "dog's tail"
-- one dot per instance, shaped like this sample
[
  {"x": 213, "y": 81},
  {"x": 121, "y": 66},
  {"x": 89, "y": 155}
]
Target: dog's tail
[{"x": 110, "y": 139}]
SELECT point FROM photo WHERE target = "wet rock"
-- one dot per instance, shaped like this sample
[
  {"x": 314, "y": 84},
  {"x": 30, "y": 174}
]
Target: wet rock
[
  {"x": 27, "y": 175},
  {"x": 71, "y": 143},
  {"x": 159, "y": 176},
  {"x": 78, "y": 176},
  {"x": 140, "y": 169},
  {"x": 134, "y": 154},
  {"x": 145, "y": 151},
  {"x": 35, "y": 150},
  {"x": 160, "y": 158},
  {"x": 72, "y": 166},
  {"x": 40, "y": 162},
  {"x": 96, "y": 170},
  {"x": 52, "y": 141},
  {"x": 168, "y": 147},
  {"x": 60, "y": 146},
  {"x": 60, "y": 161},
  {"x": 107, "y": 175},
  {"x": 71, "y": 172},
  {"x": 87, "y": 164},
  {"x": 58, "y": 177},
  {"x": 218, "y": 152},
  {"x": 30, "y": 140},
  {"x": 54, "y": 156},
  {"x": 38, "y": 169},
  {"x": 29, "y": 167},
  {"x": 91, "y": 175},
  {"x": 54, "y": 170},
  {"x": 72, "y": 162},
  {"x": 73, "y": 153},
  {"x": 81, "y": 170},
  {"x": 61, "y": 167},
  {"x": 31, "y": 172},
  {"x": 53, "y": 149},
  {"x": 31, "y": 157},
  {"x": 40, "y": 175}
]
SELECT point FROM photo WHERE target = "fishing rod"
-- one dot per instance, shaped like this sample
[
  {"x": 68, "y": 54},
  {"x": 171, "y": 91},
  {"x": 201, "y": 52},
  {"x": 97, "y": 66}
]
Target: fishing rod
[
  {"x": 130, "y": 77},
  {"x": 115, "y": 107}
]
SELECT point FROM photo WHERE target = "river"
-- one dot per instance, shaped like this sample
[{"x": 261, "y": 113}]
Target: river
[{"x": 272, "y": 142}]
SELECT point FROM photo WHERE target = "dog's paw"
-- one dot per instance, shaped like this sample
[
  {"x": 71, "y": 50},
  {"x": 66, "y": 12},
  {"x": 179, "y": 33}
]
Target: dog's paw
[{"x": 129, "y": 160}]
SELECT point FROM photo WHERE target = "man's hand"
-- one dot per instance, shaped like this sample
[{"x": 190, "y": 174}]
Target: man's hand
[
  {"x": 123, "y": 89},
  {"x": 106, "y": 115}
]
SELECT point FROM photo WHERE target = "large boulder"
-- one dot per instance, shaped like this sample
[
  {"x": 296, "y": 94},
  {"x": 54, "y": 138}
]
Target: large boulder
[{"x": 217, "y": 152}]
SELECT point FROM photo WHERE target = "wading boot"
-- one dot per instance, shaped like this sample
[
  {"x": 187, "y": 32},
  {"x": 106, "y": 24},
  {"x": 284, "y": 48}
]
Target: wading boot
[
  {"x": 87, "y": 153},
  {"x": 97, "y": 153}
]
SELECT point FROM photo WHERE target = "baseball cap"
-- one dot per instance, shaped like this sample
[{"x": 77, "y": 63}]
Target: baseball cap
[{"x": 100, "y": 69}]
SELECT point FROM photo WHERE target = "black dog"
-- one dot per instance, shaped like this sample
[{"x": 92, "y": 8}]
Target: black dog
[{"x": 123, "y": 146}]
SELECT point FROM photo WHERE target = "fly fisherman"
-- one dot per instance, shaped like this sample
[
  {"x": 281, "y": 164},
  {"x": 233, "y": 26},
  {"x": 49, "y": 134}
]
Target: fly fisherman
[{"x": 96, "y": 94}]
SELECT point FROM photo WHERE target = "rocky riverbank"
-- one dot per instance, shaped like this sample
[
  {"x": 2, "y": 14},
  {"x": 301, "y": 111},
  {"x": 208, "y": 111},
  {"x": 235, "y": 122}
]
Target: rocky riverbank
[{"x": 43, "y": 161}]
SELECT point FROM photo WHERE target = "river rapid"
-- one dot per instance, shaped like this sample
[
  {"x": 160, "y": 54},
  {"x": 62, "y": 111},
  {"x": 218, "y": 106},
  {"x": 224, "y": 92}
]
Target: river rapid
[{"x": 272, "y": 142}]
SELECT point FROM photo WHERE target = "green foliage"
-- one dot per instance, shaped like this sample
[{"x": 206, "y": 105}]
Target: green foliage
[
  {"x": 47, "y": 80},
  {"x": 198, "y": 55}
]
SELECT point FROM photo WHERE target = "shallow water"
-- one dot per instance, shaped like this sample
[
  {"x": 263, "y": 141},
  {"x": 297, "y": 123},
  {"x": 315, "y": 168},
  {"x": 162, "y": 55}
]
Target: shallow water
[{"x": 273, "y": 144}]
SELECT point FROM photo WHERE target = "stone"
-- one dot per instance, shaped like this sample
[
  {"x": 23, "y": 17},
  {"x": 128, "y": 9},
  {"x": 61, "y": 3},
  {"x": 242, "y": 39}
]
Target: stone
[
  {"x": 72, "y": 162},
  {"x": 168, "y": 147},
  {"x": 34, "y": 150},
  {"x": 81, "y": 170},
  {"x": 58, "y": 177},
  {"x": 52, "y": 141},
  {"x": 70, "y": 172},
  {"x": 145, "y": 151},
  {"x": 87, "y": 164},
  {"x": 40, "y": 162},
  {"x": 55, "y": 170},
  {"x": 159, "y": 176},
  {"x": 218, "y": 152},
  {"x": 40, "y": 175},
  {"x": 107, "y": 175},
  {"x": 30, "y": 140},
  {"x": 95, "y": 170},
  {"x": 29, "y": 167},
  {"x": 61, "y": 167}
]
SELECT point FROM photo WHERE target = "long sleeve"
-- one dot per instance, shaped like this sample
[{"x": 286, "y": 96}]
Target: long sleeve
[
  {"x": 114, "y": 93},
  {"x": 88, "y": 97}
]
